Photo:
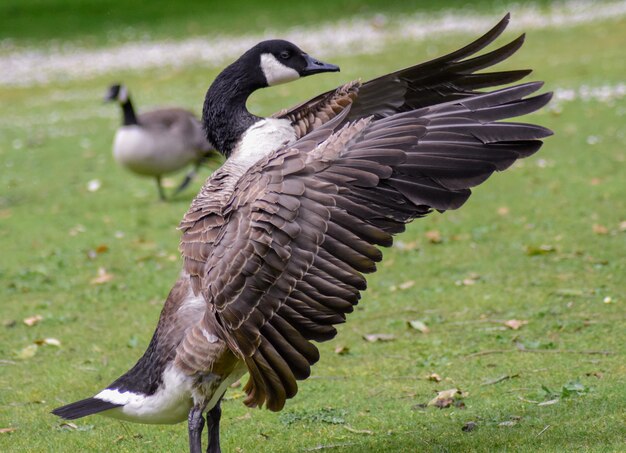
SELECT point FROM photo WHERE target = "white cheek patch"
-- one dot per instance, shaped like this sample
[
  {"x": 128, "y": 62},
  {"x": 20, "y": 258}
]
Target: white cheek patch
[
  {"x": 275, "y": 72},
  {"x": 122, "y": 96}
]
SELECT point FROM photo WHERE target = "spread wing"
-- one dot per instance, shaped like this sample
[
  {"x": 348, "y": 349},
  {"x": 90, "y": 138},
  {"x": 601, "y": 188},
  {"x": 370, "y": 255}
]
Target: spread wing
[
  {"x": 281, "y": 260},
  {"x": 440, "y": 80}
]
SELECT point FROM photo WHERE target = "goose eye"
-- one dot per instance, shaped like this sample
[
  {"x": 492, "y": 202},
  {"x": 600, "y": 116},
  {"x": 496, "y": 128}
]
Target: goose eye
[{"x": 285, "y": 54}]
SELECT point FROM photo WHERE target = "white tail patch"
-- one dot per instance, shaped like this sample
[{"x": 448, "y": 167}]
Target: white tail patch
[
  {"x": 275, "y": 72},
  {"x": 169, "y": 404}
]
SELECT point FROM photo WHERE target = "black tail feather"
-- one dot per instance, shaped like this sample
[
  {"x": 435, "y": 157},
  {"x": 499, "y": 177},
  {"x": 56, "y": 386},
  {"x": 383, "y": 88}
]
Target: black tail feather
[{"x": 83, "y": 408}]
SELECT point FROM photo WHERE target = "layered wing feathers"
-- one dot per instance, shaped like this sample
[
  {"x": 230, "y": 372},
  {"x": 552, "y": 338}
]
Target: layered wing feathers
[{"x": 285, "y": 260}]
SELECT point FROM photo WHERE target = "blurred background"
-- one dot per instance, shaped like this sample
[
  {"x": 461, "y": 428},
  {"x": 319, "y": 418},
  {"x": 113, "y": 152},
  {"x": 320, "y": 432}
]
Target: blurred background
[{"x": 517, "y": 299}]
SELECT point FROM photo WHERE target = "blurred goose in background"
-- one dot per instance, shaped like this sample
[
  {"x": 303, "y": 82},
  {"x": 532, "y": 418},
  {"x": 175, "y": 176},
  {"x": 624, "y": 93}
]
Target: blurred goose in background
[
  {"x": 277, "y": 242},
  {"x": 157, "y": 142}
]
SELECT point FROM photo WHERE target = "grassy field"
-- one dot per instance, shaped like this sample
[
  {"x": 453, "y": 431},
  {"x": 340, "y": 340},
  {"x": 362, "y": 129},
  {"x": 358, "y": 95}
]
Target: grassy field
[{"x": 543, "y": 244}]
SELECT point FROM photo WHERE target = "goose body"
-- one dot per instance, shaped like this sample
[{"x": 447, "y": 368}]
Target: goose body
[
  {"x": 158, "y": 142},
  {"x": 277, "y": 242}
]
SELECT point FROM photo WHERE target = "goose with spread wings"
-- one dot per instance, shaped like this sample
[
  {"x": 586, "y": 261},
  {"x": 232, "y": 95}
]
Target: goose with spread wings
[{"x": 277, "y": 243}]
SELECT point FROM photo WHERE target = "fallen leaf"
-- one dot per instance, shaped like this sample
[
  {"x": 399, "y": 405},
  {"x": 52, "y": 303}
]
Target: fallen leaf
[
  {"x": 33, "y": 320},
  {"x": 77, "y": 229},
  {"x": 543, "y": 249},
  {"x": 68, "y": 425},
  {"x": 374, "y": 337},
  {"x": 508, "y": 423},
  {"x": 622, "y": 226},
  {"x": 407, "y": 284},
  {"x": 469, "y": 426},
  {"x": 596, "y": 374},
  {"x": 408, "y": 246},
  {"x": 600, "y": 229},
  {"x": 48, "y": 341},
  {"x": 7, "y": 430},
  {"x": 433, "y": 236},
  {"x": 358, "y": 431},
  {"x": 434, "y": 377},
  {"x": 342, "y": 350},
  {"x": 595, "y": 181},
  {"x": 503, "y": 210},
  {"x": 418, "y": 325},
  {"x": 28, "y": 352},
  {"x": 103, "y": 277},
  {"x": 102, "y": 248},
  {"x": 515, "y": 324},
  {"x": 446, "y": 398}
]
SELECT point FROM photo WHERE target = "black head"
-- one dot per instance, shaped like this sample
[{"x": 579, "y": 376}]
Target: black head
[
  {"x": 116, "y": 92},
  {"x": 281, "y": 61}
]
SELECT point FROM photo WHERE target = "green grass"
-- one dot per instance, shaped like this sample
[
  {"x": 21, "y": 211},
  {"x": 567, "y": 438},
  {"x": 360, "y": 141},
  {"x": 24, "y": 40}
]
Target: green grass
[{"x": 55, "y": 139}]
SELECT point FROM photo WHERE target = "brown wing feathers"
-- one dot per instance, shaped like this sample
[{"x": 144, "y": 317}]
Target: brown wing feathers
[
  {"x": 282, "y": 260},
  {"x": 378, "y": 196}
]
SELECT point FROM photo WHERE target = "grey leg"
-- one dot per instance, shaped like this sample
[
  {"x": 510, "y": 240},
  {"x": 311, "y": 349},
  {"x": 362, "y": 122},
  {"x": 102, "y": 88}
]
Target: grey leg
[
  {"x": 196, "y": 424},
  {"x": 213, "y": 425},
  {"x": 189, "y": 176},
  {"x": 160, "y": 188}
]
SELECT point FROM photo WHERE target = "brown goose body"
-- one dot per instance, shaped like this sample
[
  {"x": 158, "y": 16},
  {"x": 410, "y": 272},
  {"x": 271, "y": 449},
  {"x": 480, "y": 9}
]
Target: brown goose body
[{"x": 278, "y": 241}]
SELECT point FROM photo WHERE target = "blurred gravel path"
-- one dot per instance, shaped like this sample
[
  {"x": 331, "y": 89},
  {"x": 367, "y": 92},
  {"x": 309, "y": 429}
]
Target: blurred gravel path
[{"x": 32, "y": 66}]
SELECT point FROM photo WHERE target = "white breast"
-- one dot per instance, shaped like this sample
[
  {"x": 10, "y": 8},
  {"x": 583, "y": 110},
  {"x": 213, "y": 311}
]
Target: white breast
[
  {"x": 262, "y": 139},
  {"x": 151, "y": 152}
]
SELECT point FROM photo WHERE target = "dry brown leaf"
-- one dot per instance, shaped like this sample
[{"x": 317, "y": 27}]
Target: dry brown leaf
[
  {"x": 7, "y": 430},
  {"x": 69, "y": 425},
  {"x": 33, "y": 320},
  {"x": 503, "y": 210},
  {"x": 374, "y": 337},
  {"x": 418, "y": 325},
  {"x": 549, "y": 403},
  {"x": 342, "y": 350},
  {"x": 48, "y": 341},
  {"x": 595, "y": 181},
  {"x": 407, "y": 284},
  {"x": 358, "y": 431},
  {"x": 103, "y": 277},
  {"x": 433, "y": 236},
  {"x": 28, "y": 352},
  {"x": 102, "y": 248},
  {"x": 470, "y": 280},
  {"x": 408, "y": 246},
  {"x": 434, "y": 377},
  {"x": 600, "y": 229},
  {"x": 446, "y": 398},
  {"x": 622, "y": 226},
  {"x": 515, "y": 324}
]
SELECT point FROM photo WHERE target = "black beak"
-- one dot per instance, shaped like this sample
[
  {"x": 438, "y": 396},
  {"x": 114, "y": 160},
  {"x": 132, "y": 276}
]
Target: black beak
[{"x": 314, "y": 66}]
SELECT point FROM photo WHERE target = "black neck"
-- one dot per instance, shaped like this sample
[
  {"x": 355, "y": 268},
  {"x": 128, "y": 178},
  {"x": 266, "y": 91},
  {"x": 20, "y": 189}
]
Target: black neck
[
  {"x": 225, "y": 116},
  {"x": 129, "y": 113}
]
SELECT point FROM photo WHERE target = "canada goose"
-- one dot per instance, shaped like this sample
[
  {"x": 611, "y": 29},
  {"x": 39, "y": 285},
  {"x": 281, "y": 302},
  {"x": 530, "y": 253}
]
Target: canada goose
[
  {"x": 276, "y": 243},
  {"x": 157, "y": 142}
]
